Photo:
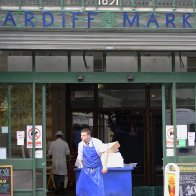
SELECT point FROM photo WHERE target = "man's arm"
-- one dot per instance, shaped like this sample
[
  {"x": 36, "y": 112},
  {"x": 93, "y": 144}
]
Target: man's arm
[
  {"x": 67, "y": 150},
  {"x": 102, "y": 148},
  {"x": 104, "y": 159},
  {"x": 50, "y": 151},
  {"x": 80, "y": 156}
]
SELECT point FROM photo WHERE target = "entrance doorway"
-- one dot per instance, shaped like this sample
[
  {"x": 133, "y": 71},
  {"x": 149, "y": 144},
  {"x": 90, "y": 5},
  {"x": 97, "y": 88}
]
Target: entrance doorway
[{"x": 129, "y": 113}]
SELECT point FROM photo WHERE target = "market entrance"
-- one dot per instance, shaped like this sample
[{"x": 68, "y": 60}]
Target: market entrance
[{"x": 129, "y": 113}]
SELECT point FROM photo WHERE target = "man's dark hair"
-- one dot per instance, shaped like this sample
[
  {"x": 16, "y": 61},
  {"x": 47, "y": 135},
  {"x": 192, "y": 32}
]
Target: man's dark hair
[{"x": 86, "y": 130}]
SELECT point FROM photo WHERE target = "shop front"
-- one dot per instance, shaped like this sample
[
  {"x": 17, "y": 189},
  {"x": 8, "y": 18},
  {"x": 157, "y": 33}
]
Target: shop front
[{"x": 127, "y": 73}]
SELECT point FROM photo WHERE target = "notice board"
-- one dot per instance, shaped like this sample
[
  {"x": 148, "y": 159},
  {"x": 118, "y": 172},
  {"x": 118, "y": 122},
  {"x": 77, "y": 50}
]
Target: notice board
[
  {"x": 187, "y": 184},
  {"x": 6, "y": 180}
]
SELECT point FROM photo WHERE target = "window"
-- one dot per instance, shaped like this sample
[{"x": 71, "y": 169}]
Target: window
[
  {"x": 156, "y": 62},
  {"x": 51, "y": 61},
  {"x": 121, "y": 62},
  {"x": 87, "y": 61},
  {"x": 15, "y": 61}
]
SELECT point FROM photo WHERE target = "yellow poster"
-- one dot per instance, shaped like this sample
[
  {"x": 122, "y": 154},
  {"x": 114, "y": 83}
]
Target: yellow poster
[{"x": 171, "y": 181}]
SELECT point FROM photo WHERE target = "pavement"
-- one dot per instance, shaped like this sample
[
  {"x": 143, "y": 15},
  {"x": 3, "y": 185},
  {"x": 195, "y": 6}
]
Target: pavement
[{"x": 66, "y": 192}]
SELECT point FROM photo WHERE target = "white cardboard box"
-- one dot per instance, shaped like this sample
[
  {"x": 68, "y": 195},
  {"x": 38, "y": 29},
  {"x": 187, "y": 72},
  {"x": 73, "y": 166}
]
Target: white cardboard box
[
  {"x": 115, "y": 160},
  {"x": 113, "y": 147}
]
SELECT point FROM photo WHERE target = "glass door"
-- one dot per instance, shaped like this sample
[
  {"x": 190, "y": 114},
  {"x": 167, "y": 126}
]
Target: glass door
[
  {"x": 179, "y": 121},
  {"x": 131, "y": 114},
  {"x": 128, "y": 113},
  {"x": 22, "y": 136}
]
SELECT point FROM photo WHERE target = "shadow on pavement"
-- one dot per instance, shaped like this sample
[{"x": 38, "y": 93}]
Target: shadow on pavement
[{"x": 66, "y": 192}]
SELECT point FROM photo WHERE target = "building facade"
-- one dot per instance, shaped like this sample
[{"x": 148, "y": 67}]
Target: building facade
[{"x": 124, "y": 68}]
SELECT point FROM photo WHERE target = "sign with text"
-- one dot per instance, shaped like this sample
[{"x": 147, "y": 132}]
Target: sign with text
[
  {"x": 97, "y": 19},
  {"x": 6, "y": 180},
  {"x": 187, "y": 184},
  {"x": 38, "y": 136}
]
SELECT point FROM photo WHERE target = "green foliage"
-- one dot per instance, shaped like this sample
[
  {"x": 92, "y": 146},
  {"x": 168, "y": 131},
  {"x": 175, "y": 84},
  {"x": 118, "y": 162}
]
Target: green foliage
[{"x": 21, "y": 105}]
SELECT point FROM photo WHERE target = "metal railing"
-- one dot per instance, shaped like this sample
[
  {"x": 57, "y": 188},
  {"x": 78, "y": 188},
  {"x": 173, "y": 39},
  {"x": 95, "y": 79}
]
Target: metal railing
[{"x": 41, "y": 4}]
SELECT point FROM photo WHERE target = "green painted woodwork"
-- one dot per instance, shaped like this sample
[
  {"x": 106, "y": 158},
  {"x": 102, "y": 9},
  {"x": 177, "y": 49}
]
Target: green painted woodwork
[
  {"x": 26, "y": 164},
  {"x": 34, "y": 166},
  {"x": 43, "y": 161},
  {"x": 9, "y": 122},
  {"x": 28, "y": 193},
  {"x": 163, "y": 121},
  {"x": 173, "y": 109},
  {"x": 97, "y": 77}
]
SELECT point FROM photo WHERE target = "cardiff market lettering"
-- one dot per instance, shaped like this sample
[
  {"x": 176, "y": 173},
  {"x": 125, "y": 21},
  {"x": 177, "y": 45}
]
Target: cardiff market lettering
[{"x": 47, "y": 19}]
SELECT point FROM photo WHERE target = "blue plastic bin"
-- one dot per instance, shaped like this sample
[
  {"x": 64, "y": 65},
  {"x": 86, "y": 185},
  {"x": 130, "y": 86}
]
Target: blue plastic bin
[{"x": 117, "y": 182}]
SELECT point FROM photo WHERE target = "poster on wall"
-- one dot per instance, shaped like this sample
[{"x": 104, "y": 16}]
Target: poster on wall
[{"x": 38, "y": 136}]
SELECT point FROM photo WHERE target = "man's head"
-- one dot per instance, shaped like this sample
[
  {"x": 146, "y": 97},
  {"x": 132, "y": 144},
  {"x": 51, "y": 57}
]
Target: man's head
[
  {"x": 85, "y": 135},
  {"x": 59, "y": 134}
]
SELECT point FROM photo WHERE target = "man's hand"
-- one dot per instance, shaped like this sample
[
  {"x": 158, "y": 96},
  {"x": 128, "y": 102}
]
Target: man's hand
[{"x": 104, "y": 170}]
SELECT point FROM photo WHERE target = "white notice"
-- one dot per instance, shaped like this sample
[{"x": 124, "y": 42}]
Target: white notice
[
  {"x": 4, "y": 129},
  {"x": 191, "y": 142},
  {"x": 191, "y": 135},
  {"x": 20, "y": 134},
  {"x": 3, "y": 153},
  {"x": 39, "y": 154},
  {"x": 181, "y": 132},
  {"x": 169, "y": 152},
  {"x": 20, "y": 141}
]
